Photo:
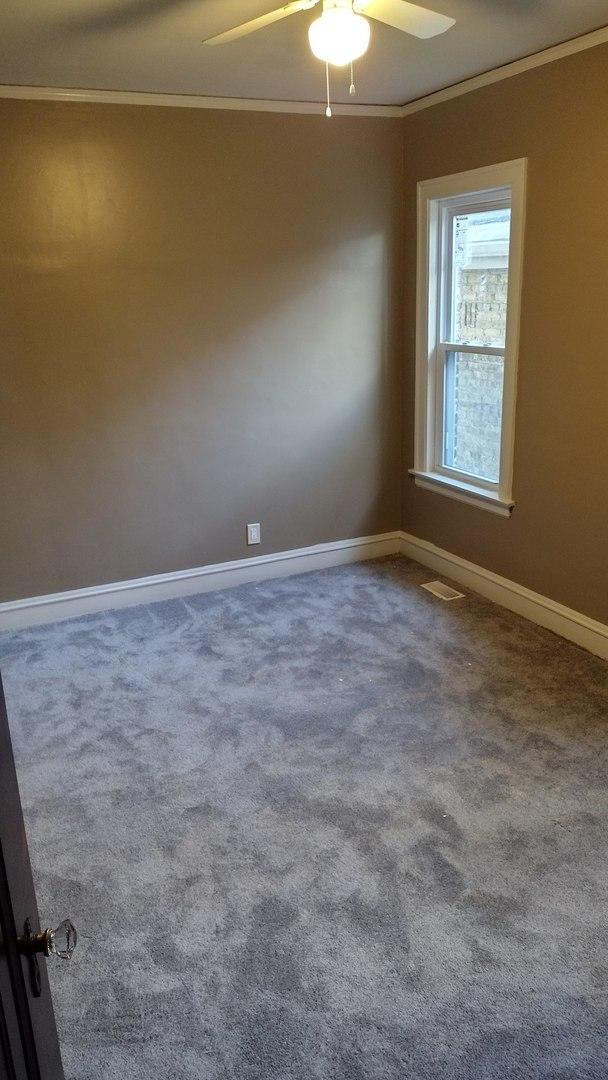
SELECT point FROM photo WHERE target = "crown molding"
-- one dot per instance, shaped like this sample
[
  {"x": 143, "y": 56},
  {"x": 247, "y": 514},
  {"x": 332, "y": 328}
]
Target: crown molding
[
  {"x": 494, "y": 75},
  {"x": 310, "y": 108},
  {"x": 192, "y": 101}
]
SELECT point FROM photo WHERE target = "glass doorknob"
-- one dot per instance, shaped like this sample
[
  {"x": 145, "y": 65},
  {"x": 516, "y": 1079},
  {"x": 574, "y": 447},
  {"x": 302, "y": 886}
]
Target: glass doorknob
[
  {"x": 59, "y": 942},
  {"x": 62, "y": 941}
]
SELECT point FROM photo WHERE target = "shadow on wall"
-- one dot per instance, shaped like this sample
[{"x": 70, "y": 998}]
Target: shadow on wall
[{"x": 197, "y": 342}]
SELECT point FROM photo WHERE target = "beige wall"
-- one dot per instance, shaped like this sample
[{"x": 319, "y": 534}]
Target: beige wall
[
  {"x": 200, "y": 328},
  {"x": 557, "y": 116}
]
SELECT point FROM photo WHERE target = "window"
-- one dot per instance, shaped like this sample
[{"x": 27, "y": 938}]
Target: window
[{"x": 470, "y": 244}]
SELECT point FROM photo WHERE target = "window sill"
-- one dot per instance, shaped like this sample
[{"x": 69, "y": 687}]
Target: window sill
[{"x": 458, "y": 489}]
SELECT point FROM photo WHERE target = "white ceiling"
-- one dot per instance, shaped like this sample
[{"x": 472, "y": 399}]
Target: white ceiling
[{"x": 155, "y": 45}]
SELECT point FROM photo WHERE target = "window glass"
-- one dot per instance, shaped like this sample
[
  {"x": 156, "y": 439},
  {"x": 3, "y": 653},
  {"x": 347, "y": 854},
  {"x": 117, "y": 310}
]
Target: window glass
[
  {"x": 473, "y": 413},
  {"x": 480, "y": 273}
]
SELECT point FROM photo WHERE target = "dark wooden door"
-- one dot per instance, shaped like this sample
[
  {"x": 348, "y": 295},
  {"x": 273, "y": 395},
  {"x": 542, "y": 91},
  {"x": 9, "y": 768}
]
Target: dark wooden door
[{"x": 29, "y": 1049}]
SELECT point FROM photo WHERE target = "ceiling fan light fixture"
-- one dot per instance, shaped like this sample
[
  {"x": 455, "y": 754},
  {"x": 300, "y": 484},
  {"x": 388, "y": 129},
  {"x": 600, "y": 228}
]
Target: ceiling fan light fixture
[{"x": 339, "y": 36}]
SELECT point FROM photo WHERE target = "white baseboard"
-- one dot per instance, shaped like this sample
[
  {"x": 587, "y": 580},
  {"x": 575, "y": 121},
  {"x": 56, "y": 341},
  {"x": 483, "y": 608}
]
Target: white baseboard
[
  {"x": 569, "y": 624},
  {"x": 562, "y": 620},
  {"x": 33, "y": 611}
]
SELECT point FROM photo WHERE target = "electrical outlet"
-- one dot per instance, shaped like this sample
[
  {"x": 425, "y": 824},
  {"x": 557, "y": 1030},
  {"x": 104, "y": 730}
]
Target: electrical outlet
[{"x": 254, "y": 533}]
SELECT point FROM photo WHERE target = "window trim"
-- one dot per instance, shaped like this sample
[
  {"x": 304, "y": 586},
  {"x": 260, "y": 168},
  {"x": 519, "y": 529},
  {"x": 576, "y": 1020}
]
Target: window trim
[{"x": 490, "y": 183}]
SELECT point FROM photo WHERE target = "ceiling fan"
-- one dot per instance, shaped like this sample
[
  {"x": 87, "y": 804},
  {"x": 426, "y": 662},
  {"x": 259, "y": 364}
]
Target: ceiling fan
[{"x": 341, "y": 34}]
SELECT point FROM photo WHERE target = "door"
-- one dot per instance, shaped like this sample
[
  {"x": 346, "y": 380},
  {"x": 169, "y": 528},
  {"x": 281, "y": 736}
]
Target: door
[{"x": 29, "y": 1049}]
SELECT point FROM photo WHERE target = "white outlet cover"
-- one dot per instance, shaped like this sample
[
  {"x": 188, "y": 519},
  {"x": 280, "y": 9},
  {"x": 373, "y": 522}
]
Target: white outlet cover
[{"x": 254, "y": 533}]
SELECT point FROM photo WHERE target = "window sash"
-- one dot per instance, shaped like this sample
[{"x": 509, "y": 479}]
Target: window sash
[
  {"x": 489, "y": 185},
  {"x": 448, "y": 209},
  {"x": 440, "y": 363}
]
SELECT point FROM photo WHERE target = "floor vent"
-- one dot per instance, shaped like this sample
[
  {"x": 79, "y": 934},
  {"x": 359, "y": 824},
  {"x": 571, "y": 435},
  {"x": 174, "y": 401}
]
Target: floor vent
[{"x": 444, "y": 592}]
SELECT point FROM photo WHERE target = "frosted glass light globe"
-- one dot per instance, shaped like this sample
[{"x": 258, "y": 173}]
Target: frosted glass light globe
[{"x": 339, "y": 36}]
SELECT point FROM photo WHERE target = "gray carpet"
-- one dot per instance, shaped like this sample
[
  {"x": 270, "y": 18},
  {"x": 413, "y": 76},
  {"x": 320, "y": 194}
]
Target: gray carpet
[{"x": 323, "y": 827}]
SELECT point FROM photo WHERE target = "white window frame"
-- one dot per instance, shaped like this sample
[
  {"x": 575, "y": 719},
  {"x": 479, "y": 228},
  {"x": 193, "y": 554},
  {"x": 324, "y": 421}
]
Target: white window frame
[{"x": 438, "y": 200}]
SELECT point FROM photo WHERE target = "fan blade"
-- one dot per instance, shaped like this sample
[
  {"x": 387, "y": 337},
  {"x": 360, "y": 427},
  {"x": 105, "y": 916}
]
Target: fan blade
[
  {"x": 411, "y": 18},
  {"x": 260, "y": 22}
]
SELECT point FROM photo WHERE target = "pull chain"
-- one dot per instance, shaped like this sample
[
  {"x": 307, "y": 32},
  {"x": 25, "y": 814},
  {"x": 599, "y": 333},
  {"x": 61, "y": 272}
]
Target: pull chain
[
  {"x": 328, "y": 109},
  {"x": 352, "y": 90}
]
